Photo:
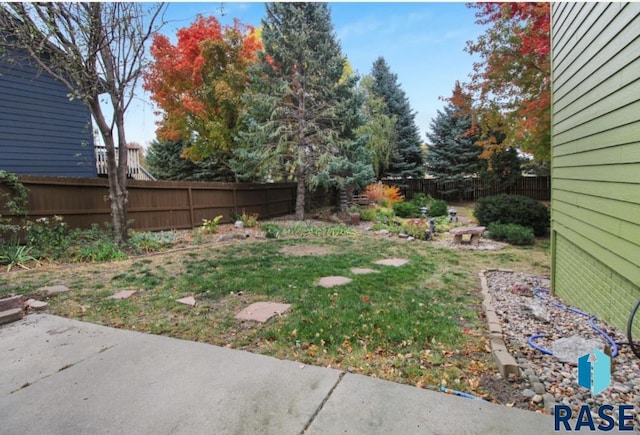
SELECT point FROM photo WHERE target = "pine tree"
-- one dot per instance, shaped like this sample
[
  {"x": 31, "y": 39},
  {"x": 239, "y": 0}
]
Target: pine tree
[
  {"x": 297, "y": 97},
  {"x": 166, "y": 162},
  {"x": 453, "y": 154},
  {"x": 407, "y": 159}
]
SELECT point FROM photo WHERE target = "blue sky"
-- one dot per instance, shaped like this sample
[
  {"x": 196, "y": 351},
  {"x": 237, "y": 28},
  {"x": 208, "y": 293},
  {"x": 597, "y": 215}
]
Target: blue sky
[{"x": 423, "y": 43}]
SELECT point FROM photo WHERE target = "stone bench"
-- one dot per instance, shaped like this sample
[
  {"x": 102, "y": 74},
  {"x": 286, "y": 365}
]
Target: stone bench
[{"x": 475, "y": 233}]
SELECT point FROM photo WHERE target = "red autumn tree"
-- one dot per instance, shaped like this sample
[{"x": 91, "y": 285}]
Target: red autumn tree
[
  {"x": 511, "y": 84},
  {"x": 198, "y": 84}
]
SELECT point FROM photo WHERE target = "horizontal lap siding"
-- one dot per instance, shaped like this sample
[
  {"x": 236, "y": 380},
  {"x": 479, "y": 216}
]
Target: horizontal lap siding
[
  {"x": 595, "y": 196},
  {"x": 41, "y": 131}
]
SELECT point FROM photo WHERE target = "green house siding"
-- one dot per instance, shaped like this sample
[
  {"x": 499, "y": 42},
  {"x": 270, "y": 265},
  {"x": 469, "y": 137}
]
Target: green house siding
[{"x": 595, "y": 175}]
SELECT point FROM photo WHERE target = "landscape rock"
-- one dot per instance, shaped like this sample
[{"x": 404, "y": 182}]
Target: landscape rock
[
  {"x": 232, "y": 236},
  {"x": 569, "y": 349},
  {"x": 36, "y": 305},
  {"x": 538, "y": 310}
]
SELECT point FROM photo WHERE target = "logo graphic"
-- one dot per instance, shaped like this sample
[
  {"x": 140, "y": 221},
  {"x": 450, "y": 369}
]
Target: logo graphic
[{"x": 594, "y": 374}]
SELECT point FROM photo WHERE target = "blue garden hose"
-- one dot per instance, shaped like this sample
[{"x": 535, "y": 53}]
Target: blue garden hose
[
  {"x": 592, "y": 319},
  {"x": 461, "y": 394}
]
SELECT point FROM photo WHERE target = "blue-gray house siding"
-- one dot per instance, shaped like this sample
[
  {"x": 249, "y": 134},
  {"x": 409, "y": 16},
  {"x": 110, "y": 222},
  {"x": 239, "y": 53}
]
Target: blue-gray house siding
[{"x": 41, "y": 131}]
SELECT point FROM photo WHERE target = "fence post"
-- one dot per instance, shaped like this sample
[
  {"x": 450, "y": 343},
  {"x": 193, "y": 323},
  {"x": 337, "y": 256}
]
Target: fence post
[{"x": 191, "y": 212}]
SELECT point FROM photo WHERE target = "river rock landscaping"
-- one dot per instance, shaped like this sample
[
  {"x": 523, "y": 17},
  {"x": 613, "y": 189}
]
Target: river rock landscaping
[{"x": 525, "y": 308}]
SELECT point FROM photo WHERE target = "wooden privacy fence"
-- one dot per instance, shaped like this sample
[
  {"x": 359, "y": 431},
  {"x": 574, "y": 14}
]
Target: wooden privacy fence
[
  {"x": 159, "y": 205},
  {"x": 471, "y": 189}
]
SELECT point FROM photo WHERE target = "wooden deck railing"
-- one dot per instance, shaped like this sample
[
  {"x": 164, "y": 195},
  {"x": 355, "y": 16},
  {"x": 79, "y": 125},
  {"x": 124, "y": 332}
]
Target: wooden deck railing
[{"x": 134, "y": 169}]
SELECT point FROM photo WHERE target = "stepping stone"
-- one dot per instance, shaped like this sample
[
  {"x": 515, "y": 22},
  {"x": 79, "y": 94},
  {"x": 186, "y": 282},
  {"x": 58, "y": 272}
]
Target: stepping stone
[
  {"x": 569, "y": 349},
  {"x": 397, "y": 262},
  {"x": 36, "y": 305},
  {"x": 262, "y": 311},
  {"x": 362, "y": 271},
  {"x": 189, "y": 300},
  {"x": 124, "y": 294},
  {"x": 53, "y": 289},
  {"x": 332, "y": 281}
]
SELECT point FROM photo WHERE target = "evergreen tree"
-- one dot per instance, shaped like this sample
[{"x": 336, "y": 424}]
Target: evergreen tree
[
  {"x": 379, "y": 128},
  {"x": 453, "y": 154},
  {"x": 503, "y": 167},
  {"x": 166, "y": 162},
  {"x": 296, "y": 101},
  {"x": 407, "y": 159}
]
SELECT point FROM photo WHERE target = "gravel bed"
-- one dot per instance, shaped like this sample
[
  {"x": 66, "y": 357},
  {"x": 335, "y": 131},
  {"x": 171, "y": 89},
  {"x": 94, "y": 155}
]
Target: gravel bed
[{"x": 513, "y": 296}]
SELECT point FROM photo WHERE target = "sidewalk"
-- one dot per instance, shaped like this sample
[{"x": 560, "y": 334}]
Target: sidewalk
[{"x": 61, "y": 376}]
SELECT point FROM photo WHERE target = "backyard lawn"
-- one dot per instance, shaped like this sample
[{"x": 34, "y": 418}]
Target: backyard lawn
[{"x": 420, "y": 323}]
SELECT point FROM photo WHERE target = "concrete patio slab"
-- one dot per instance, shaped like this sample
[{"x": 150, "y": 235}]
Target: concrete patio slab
[
  {"x": 63, "y": 376},
  {"x": 364, "y": 405},
  {"x": 148, "y": 384}
]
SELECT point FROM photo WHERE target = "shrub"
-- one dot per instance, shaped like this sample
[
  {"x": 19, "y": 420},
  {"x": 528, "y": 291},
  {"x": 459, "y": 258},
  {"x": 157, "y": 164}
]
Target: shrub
[
  {"x": 367, "y": 214},
  {"x": 417, "y": 228},
  {"x": 438, "y": 207},
  {"x": 406, "y": 209},
  {"x": 249, "y": 220},
  {"x": 513, "y": 209},
  {"x": 103, "y": 250},
  {"x": 149, "y": 242},
  {"x": 49, "y": 236},
  {"x": 421, "y": 200},
  {"x": 383, "y": 194},
  {"x": 271, "y": 230},
  {"x": 511, "y": 233},
  {"x": 385, "y": 216},
  {"x": 210, "y": 226},
  {"x": 15, "y": 255}
]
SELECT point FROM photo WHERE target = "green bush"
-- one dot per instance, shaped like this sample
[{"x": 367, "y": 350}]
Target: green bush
[
  {"x": 511, "y": 233},
  {"x": 513, "y": 209},
  {"x": 421, "y": 200},
  {"x": 271, "y": 230},
  {"x": 50, "y": 237},
  {"x": 367, "y": 214},
  {"x": 438, "y": 207},
  {"x": 103, "y": 250},
  {"x": 146, "y": 242},
  {"x": 406, "y": 209}
]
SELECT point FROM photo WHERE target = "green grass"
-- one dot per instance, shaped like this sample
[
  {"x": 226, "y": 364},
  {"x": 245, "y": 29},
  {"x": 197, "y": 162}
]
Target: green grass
[{"x": 419, "y": 323}]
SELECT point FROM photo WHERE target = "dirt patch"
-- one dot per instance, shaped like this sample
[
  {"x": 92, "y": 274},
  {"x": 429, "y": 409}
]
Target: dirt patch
[
  {"x": 506, "y": 392},
  {"x": 306, "y": 250}
]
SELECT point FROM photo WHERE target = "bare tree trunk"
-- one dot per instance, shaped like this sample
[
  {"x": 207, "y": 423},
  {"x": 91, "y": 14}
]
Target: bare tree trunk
[
  {"x": 300, "y": 193},
  {"x": 117, "y": 188}
]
